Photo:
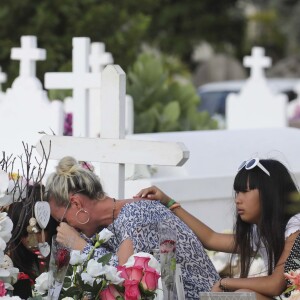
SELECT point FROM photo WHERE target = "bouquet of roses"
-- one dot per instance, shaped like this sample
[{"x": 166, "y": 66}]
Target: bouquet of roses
[{"x": 88, "y": 278}]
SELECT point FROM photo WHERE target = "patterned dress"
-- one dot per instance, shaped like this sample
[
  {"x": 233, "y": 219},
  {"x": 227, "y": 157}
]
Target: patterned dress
[
  {"x": 139, "y": 222},
  {"x": 291, "y": 264}
]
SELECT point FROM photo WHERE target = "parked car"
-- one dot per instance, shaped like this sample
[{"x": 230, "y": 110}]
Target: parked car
[{"x": 213, "y": 95}]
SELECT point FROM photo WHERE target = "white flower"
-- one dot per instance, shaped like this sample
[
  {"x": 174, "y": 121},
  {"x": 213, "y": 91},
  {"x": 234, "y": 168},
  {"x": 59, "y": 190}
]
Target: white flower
[
  {"x": 41, "y": 283},
  {"x": 67, "y": 298},
  {"x": 113, "y": 275},
  {"x": 10, "y": 298},
  {"x": 87, "y": 278},
  {"x": 2, "y": 245},
  {"x": 94, "y": 268},
  {"x": 105, "y": 235},
  {"x": 6, "y": 226},
  {"x": 76, "y": 258}
]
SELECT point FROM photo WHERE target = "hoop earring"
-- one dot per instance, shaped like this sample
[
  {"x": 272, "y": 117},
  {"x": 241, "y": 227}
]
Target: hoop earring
[{"x": 86, "y": 212}]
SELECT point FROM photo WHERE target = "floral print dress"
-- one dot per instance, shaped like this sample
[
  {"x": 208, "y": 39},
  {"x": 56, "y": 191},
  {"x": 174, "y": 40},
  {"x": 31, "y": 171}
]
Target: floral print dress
[{"x": 139, "y": 222}]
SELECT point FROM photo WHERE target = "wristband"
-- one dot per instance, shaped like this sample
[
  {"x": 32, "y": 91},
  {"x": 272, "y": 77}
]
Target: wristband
[
  {"x": 170, "y": 203},
  {"x": 175, "y": 205}
]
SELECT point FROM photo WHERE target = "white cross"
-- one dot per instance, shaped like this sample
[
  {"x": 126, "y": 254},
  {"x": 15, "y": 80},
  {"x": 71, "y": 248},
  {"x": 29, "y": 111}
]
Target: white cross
[
  {"x": 3, "y": 78},
  {"x": 112, "y": 150},
  {"x": 98, "y": 58},
  {"x": 257, "y": 62},
  {"x": 28, "y": 54},
  {"x": 80, "y": 80}
]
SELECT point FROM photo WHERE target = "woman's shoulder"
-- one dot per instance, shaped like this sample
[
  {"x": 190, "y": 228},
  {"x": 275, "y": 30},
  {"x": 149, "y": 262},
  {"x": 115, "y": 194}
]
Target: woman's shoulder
[{"x": 293, "y": 225}]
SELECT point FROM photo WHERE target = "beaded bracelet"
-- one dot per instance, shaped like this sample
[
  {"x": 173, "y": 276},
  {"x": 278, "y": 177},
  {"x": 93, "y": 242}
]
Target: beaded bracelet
[
  {"x": 223, "y": 287},
  {"x": 170, "y": 203},
  {"x": 175, "y": 205}
]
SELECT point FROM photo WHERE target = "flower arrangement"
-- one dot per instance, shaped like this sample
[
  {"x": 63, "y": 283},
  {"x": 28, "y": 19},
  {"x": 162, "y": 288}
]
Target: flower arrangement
[
  {"x": 8, "y": 274},
  {"x": 88, "y": 278},
  {"x": 294, "y": 278}
]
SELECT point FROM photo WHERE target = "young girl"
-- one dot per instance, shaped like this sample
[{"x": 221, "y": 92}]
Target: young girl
[{"x": 265, "y": 225}]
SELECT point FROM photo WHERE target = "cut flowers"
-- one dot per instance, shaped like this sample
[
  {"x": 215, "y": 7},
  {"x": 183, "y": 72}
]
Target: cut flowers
[
  {"x": 294, "y": 286},
  {"x": 88, "y": 278}
]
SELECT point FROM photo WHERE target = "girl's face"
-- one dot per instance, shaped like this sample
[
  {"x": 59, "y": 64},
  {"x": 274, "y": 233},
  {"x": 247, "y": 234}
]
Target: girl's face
[{"x": 248, "y": 206}]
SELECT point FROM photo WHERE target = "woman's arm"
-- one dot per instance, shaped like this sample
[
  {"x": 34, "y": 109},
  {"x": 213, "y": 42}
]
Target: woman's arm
[
  {"x": 210, "y": 239},
  {"x": 270, "y": 286}
]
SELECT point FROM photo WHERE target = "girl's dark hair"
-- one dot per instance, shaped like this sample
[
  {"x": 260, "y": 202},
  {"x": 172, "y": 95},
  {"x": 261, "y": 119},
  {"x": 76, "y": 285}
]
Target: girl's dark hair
[
  {"x": 23, "y": 259},
  {"x": 276, "y": 193}
]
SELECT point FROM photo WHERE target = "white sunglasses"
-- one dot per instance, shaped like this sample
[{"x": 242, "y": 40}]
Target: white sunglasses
[{"x": 252, "y": 163}]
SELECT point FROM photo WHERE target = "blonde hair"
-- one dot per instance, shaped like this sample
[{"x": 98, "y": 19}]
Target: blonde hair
[{"x": 71, "y": 177}]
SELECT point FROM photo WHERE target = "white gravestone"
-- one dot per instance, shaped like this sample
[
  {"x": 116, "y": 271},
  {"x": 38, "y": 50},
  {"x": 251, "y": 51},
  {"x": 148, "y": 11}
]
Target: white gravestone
[
  {"x": 256, "y": 106},
  {"x": 80, "y": 80},
  {"x": 25, "y": 109},
  {"x": 98, "y": 59},
  {"x": 112, "y": 150}
]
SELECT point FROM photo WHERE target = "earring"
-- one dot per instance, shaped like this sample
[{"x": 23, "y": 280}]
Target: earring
[
  {"x": 32, "y": 230},
  {"x": 84, "y": 211}
]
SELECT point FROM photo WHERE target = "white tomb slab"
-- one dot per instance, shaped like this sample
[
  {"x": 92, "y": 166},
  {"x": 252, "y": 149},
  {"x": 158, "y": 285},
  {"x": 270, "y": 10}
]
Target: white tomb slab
[
  {"x": 256, "y": 106},
  {"x": 80, "y": 80},
  {"x": 204, "y": 184},
  {"x": 25, "y": 110},
  {"x": 112, "y": 150}
]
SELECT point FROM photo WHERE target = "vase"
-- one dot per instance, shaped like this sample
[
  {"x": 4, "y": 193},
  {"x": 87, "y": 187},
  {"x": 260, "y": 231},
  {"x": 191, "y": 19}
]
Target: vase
[
  {"x": 167, "y": 252},
  {"x": 58, "y": 266}
]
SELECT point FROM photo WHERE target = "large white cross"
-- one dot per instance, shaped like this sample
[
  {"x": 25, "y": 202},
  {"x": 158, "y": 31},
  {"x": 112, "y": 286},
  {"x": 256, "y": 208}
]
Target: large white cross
[
  {"x": 80, "y": 80},
  {"x": 98, "y": 58},
  {"x": 28, "y": 54},
  {"x": 257, "y": 62},
  {"x": 112, "y": 150}
]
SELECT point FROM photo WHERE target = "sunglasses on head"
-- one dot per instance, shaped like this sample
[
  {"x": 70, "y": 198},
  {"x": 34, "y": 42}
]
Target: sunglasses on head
[{"x": 252, "y": 163}]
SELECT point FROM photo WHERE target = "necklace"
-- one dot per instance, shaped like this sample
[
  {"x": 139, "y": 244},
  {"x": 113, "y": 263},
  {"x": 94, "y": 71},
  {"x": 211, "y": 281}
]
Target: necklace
[{"x": 113, "y": 220}]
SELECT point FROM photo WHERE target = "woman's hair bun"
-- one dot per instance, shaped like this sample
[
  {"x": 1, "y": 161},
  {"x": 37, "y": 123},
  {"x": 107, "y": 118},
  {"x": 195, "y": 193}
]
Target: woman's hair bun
[{"x": 66, "y": 164}]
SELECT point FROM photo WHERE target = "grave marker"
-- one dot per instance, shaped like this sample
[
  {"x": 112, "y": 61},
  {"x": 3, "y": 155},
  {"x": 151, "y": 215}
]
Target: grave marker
[
  {"x": 80, "y": 80},
  {"x": 112, "y": 150},
  {"x": 256, "y": 106}
]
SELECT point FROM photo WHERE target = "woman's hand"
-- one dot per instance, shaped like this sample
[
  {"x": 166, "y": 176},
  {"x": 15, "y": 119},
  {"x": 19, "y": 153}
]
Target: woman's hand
[
  {"x": 70, "y": 237},
  {"x": 153, "y": 193}
]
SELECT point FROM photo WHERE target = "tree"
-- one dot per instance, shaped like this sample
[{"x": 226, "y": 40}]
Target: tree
[
  {"x": 163, "y": 101},
  {"x": 174, "y": 26}
]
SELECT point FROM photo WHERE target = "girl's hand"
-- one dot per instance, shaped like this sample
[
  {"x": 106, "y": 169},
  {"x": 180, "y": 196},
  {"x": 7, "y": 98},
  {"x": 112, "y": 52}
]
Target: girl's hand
[
  {"x": 70, "y": 237},
  {"x": 216, "y": 287},
  {"x": 153, "y": 193}
]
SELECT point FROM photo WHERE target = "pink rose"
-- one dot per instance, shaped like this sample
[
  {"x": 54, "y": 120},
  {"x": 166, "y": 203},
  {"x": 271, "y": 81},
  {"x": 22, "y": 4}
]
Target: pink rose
[
  {"x": 2, "y": 289},
  {"x": 132, "y": 291},
  {"x": 141, "y": 261},
  {"x": 294, "y": 277},
  {"x": 134, "y": 273},
  {"x": 110, "y": 293},
  {"x": 123, "y": 273},
  {"x": 150, "y": 279}
]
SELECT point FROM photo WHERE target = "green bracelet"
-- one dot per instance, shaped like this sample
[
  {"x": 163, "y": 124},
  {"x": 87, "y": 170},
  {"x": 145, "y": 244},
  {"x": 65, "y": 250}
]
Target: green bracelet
[{"x": 170, "y": 203}]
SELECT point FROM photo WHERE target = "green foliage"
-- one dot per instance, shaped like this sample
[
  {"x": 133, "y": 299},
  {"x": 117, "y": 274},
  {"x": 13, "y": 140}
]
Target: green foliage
[
  {"x": 124, "y": 26},
  {"x": 162, "y": 101}
]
